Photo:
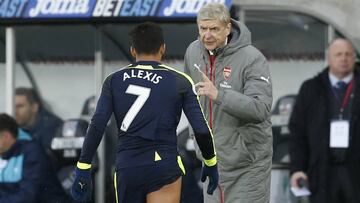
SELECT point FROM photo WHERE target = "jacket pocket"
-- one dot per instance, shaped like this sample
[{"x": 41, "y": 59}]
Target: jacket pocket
[{"x": 234, "y": 154}]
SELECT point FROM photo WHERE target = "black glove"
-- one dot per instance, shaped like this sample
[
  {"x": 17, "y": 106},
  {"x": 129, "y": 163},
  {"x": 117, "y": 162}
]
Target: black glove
[
  {"x": 81, "y": 189},
  {"x": 212, "y": 173}
]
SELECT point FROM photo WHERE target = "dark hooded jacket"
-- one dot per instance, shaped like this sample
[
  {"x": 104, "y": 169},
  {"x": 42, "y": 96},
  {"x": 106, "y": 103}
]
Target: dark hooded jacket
[
  {"x": 26, "y": 176},
  {"x": 310, "y": 129}
]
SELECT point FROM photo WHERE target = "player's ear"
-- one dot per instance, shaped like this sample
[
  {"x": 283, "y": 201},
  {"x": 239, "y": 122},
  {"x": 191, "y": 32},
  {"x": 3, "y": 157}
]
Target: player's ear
[
  {"x": 133, "y": 52},
  {"x": 162, "y": 49},
  {"x": 35, "y": 107}
]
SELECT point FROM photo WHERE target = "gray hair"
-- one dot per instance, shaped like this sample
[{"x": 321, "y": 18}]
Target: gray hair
[{"x": 214, "y": 11}]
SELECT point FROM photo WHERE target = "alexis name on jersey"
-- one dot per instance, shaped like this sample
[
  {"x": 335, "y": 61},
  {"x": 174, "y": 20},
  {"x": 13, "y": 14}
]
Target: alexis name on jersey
[{"x": 143, "y": 74}]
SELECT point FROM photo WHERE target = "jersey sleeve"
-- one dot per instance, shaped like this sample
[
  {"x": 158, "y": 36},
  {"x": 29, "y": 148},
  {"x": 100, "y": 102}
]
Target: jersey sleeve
[
  {"x": 98, "y": 122},
  {"x": 195, "y": 115}
]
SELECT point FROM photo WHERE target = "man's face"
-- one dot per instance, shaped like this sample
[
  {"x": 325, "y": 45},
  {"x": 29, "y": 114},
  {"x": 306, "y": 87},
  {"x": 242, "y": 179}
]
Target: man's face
[
  {"x": 4, "y": 141},
  {"x": 213, "y": 33},
  {"x": 341, "y": 58},
  {"x": 25, "y": 111}
]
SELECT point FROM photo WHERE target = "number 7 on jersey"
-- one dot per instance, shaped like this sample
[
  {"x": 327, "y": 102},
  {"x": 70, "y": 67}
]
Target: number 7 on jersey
[{"x": 143, "y": 94}]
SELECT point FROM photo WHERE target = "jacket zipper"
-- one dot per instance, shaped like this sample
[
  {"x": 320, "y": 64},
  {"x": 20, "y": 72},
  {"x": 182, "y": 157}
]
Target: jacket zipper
[{"x": 212, "y": 79}]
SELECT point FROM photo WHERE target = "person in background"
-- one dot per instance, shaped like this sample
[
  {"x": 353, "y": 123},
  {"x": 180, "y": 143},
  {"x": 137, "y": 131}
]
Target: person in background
[
  {"x": 25, "y": 173},
  {"x": 325, "y": 130},
  {"x": 234, "y": 85},
  {"x": 32, "y": 117},
  {"x": 146, "y": 98}
]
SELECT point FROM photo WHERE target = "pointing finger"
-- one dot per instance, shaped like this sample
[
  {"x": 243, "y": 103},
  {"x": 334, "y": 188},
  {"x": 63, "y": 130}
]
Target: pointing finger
[
  {"x": 205, "y": 78},
  {"x": 199, "y": 84}
]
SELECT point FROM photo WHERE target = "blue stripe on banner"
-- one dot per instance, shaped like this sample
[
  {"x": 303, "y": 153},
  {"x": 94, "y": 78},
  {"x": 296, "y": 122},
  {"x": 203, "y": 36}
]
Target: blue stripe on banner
[{"x": 72, "y": 9}]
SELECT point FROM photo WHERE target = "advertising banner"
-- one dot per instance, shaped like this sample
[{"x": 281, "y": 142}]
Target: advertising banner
[{"x": 29, "y": 10}]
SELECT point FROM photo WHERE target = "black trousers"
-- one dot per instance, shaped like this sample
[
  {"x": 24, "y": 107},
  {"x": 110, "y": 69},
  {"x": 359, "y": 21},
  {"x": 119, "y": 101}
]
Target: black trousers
[{"x": 341, "y": 187}]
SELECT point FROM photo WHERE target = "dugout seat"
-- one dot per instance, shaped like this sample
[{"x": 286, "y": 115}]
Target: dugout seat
[
  {"x": 281, "y": 135},
  {"x": 66, "y": 146}
]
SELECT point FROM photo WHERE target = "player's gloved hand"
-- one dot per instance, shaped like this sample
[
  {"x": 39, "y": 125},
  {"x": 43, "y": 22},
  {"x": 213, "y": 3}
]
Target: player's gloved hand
[
  {"x": 212, "y": 173},
  {"x": 81, "y": 189}
]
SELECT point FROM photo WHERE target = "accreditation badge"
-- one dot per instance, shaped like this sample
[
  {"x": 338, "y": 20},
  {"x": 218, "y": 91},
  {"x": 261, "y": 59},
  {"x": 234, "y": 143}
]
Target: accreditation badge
[{"x": 339, "y": 134}]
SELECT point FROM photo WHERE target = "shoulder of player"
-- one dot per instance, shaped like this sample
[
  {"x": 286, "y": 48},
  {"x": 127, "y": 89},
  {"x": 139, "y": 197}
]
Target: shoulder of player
[
  {"x": 119, "y": 71},
  {"x": 108, "y": 78},
  {"x": 178, "y": 73}
]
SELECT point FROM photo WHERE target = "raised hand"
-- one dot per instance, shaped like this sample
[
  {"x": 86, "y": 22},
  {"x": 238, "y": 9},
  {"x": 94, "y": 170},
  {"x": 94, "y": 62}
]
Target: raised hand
[{"x": 206, "y": 87}]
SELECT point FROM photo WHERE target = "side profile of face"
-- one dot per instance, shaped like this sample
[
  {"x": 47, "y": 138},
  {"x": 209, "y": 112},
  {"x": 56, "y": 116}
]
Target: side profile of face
[
  {"x": 6, "y": 141},
  {"x": 213, "y": 33},
  {"x": 25, "y": 112},
  {"x": 341, "y": 58}
]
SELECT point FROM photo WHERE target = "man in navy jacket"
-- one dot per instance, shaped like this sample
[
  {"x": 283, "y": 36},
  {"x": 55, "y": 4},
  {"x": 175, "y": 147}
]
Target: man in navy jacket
[
  {"x": 32, "y": 116},
  {"x": 25, "y": 173}
]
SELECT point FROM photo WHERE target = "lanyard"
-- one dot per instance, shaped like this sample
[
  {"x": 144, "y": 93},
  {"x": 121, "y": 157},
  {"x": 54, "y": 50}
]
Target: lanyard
[{"x": 346, "y": 98}]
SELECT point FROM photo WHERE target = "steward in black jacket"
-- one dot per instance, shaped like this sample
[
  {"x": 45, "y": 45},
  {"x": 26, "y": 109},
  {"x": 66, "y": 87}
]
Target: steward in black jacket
[{"x": 310, "y": 150}]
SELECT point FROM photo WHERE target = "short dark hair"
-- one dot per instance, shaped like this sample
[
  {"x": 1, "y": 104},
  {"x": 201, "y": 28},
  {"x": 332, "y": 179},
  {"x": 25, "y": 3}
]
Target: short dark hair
[
  {"x": 146, "y": 38},
  {"x": 31, "y": 95},
  {"x": 8, "y": 123}
]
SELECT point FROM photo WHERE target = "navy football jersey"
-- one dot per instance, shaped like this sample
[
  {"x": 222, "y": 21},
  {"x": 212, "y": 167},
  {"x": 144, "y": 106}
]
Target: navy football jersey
[{"x": 147, "y": 99}]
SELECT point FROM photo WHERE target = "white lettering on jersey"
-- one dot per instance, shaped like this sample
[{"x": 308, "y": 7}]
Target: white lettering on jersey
[
  {"x": 143, "y": 74},
  {"x": 157, "y": 79},
  {"x": 147, "y": 76},
  {"x": 126, "y": 76}
]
